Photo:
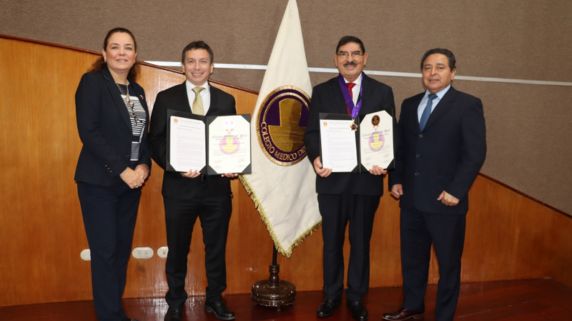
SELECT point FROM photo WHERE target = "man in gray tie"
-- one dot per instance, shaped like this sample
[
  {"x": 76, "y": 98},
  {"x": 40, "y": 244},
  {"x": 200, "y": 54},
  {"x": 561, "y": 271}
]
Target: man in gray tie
[
  {"x": 191, "y": 195},
  {"x": 440, "y": 150}
]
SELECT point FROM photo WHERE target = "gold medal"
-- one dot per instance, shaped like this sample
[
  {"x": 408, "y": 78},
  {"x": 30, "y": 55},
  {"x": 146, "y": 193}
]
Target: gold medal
[{"x": 354, "y": 125}]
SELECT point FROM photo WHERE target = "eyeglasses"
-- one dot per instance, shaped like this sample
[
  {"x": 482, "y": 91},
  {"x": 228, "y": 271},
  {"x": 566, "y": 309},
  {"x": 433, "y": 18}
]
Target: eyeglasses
[{"x": 347, "y": 54}]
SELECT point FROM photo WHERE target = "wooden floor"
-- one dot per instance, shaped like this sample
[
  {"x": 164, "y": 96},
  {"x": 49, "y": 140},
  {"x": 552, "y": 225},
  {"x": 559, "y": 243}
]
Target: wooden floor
[{"x": 523, "y": 300}]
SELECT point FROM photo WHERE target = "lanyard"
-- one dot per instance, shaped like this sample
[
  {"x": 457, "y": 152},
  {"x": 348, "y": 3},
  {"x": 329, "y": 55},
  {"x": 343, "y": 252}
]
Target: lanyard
[{"x": 352, "y": 109}]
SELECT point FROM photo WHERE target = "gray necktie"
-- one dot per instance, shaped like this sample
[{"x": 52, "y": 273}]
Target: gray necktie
[
  {"x": 198, "y": 102},
  {"x": 426, "y": 112}
]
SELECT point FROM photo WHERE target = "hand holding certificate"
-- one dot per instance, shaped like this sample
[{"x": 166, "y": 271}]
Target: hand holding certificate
[{"x": 213, "y": 145}]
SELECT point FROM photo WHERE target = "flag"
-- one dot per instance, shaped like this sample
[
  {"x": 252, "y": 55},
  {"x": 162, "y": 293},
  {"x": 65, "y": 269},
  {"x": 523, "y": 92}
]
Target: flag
[{"x": 282, "y": 183}]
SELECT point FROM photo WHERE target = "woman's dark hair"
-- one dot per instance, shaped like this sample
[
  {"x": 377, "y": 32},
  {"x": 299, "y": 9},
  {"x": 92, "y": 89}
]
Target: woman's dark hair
[{"x": 99, "y": 64}]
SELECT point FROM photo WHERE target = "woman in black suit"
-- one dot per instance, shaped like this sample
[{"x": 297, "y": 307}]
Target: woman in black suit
[{"x": 114, "y": 162}]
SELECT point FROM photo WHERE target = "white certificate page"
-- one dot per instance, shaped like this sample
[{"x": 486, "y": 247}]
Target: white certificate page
[
  {"x": 187, "y": 149},
  {"x": 338, "y": 143},
  {"x": 229, "y": 144},
  {"x": 376, "y": 140}
]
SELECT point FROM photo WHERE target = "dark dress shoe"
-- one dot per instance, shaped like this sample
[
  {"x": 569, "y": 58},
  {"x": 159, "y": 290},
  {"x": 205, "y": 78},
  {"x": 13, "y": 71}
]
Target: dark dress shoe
[
  {"x": 219, "y": 310},
  {"x": 402, "y": 315},
  {"x": 358, "y": 310},
  {"x": 174, "y": 314},
  {"x": 327, "y": 308}
]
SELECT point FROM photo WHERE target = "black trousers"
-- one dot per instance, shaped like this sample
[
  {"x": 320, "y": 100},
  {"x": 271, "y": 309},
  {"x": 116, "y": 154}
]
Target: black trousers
[
  {"x": 214, "y": 215},
  {"x": 109, "y": 215},
  {"x": 337, "y": 212},
  {"x": 447, "y": 234}
]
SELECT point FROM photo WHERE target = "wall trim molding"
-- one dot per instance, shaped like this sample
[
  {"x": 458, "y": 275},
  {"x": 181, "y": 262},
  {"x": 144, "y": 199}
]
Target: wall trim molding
[{"x": 379, "y": 73}]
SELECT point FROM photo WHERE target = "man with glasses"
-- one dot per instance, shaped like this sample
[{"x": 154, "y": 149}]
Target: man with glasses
[{"x": 346, "y": 197}]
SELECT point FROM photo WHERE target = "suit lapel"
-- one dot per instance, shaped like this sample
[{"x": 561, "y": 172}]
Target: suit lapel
[
  {"x": 366, "y": 96},
  {"x": 214, "y": 97},
  {"x": 142, "y": 100},
  {"x": 442, "y": 107},
  {"x": 144, "y": 104},
  {"x": 413, "y": 117},
  {"x": 367, "y": 93},
  {"x": 181, "y": 99},
  {"x": 115, "y": 95},
  {"x": 339, "y": 107}
]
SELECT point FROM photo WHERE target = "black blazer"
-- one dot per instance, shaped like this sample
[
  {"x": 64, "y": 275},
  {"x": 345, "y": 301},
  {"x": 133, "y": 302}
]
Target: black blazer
[
  {"x": 446, "y": 156},
  {"x": 105, "y": 129},
  {"x": 327, "y": 97},
  {"x": 175, "y": 185}
]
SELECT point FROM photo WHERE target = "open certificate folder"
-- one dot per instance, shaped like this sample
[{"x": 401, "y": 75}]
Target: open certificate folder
[
  {"x": 340, "y": 137},
  {"x": 213, "y": 145}
]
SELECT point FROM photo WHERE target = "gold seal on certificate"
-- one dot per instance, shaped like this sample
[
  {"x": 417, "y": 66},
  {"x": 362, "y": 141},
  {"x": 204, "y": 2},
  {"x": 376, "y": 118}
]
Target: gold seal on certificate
[
  {"x": 229, "y": 144},
  {"x": 376, "y": 140}
]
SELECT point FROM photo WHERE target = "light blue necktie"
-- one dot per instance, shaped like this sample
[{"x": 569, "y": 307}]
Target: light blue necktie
[{"x": 426, "y": 112}]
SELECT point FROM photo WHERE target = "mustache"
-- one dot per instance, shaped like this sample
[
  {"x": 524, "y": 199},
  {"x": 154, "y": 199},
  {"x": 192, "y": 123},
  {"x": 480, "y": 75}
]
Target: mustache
[{"x": 350, "y": 63}]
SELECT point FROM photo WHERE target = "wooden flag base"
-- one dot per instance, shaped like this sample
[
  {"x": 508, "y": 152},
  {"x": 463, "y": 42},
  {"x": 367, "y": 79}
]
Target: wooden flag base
[{"x": 274, "y": 292}]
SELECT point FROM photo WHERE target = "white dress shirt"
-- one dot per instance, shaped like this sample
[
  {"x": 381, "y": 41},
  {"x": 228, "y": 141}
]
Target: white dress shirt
[
  {"x": 205, "y": 95},
  {"x": 356, "y": 88},
  {"x": 436, "y": 101}
]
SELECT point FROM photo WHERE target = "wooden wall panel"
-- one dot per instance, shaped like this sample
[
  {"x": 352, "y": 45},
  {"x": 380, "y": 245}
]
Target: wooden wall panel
[{"x": 509, "y": 236}]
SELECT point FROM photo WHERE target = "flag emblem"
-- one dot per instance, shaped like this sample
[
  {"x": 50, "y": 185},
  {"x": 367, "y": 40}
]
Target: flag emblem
[{"x": 282, "y": 119}]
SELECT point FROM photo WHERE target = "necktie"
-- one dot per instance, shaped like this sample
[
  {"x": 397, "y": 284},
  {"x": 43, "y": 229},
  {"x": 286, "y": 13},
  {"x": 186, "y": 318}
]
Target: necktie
[
  {"x": 198, "y": 102},
  {"x": 426, "y": 111},
  {"x": 350, "y": 87}
]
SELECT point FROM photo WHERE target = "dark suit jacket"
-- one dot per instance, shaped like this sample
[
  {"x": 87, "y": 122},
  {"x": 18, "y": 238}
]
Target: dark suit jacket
[
  {"x": 175, "y": 185},
  {"x": 105, "y": 129},
  {"x": 446, "y": 156},
  {"x": 327, "y": 98}
]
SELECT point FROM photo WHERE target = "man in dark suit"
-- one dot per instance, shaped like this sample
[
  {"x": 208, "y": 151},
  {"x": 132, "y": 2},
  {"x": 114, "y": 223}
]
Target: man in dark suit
[
  {"x": 191, "y": 195},
  {"x": 346, "y": 197},
  {"x": 441, "y": 148}
]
